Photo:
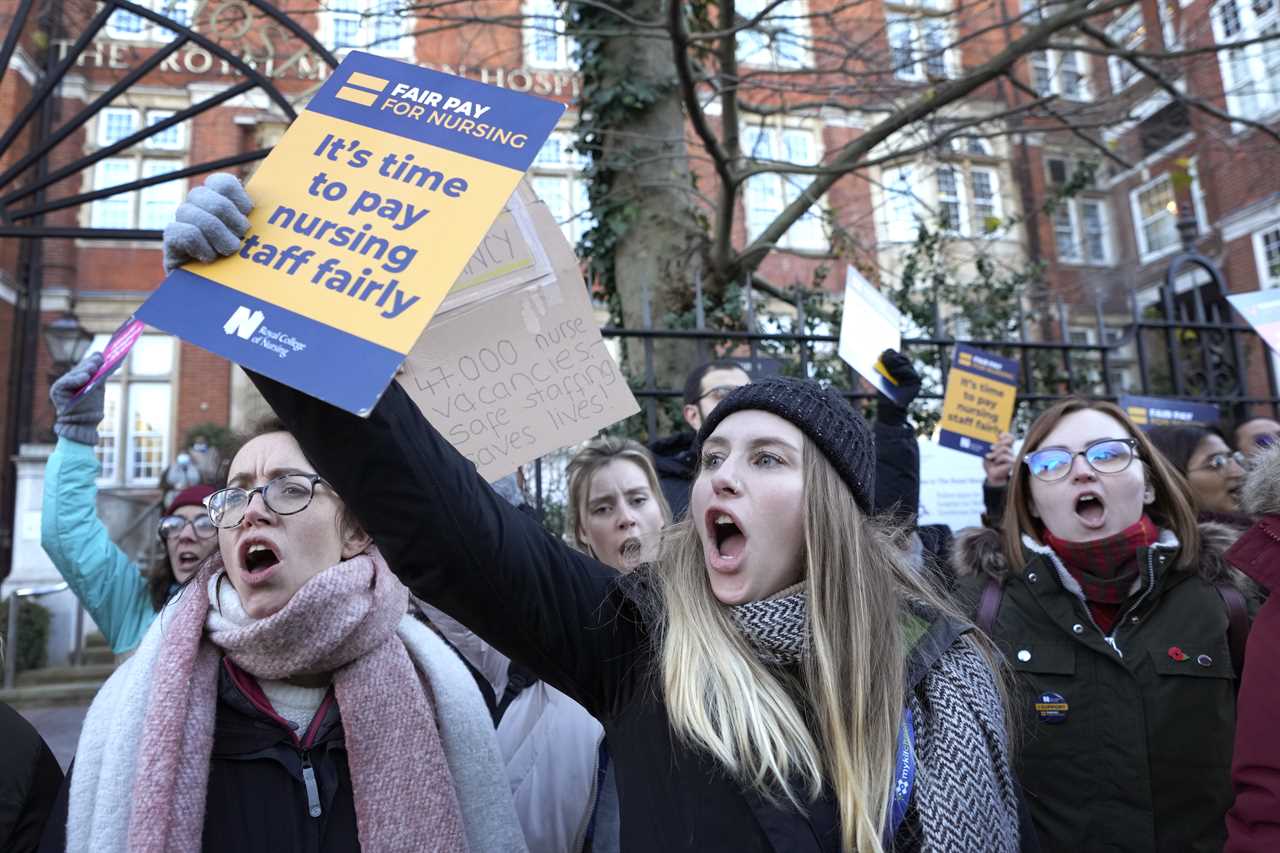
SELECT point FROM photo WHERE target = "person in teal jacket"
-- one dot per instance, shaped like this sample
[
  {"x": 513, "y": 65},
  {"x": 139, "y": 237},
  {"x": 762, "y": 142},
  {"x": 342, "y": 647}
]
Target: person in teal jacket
[{"x": 120, "y": 598}]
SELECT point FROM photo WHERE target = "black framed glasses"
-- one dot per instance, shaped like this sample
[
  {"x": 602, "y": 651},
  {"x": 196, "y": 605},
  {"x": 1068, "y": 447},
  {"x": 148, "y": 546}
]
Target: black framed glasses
[
  {"x": 1218, "y": 462},
  {"x": 286, "y": 495},
  {"x": 171, "y": 525},
  {"x": 1106, "y": 456}
]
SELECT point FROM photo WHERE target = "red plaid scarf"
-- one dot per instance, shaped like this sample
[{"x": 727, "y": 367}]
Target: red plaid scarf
[{"x": 1106, "y": 568}]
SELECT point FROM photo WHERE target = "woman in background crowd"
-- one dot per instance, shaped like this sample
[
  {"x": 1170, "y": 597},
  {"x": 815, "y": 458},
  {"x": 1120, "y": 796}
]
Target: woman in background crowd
[
  {"x": 120, "y": 599},
  {"x": 558, "y": 765},
  {"x": 1119, "y": 616},
  {"x": 1214, "y": 473}
]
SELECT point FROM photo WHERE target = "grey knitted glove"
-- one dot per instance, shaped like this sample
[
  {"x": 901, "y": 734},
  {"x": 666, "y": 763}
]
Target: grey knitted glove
[
  {"x": 79, "y": 421},
  {"x": 210, "y": 224}
]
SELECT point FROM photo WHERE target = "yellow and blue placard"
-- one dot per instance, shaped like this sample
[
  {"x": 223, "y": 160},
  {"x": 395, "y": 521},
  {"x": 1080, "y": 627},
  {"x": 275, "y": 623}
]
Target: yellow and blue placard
[
  {"x": 978, "y": 405},
  {"x": 1146, "y": 412},
  {"x": 366, "y": 212}
]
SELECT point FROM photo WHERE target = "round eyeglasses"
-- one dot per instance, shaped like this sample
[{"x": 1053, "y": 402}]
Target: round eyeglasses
[
  {"x": 1218, "y": 462},
  {"x": 171, "y": 525},
  {"x": 286, "y": 495},
  {"x": 1106, "y": 456}
]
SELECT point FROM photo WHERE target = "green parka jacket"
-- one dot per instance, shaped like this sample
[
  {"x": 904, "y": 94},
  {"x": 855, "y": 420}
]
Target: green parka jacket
[{"x": 1127, "y": 739}]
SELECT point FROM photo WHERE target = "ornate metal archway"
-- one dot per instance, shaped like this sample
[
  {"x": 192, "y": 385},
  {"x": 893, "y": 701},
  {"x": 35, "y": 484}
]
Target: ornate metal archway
[{"x": 251, "y": 43}]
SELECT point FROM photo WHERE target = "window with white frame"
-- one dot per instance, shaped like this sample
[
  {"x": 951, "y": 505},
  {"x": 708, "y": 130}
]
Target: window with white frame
[
  {"x": 984, "y": 186},
  {"x": 545, "y": 42},
  {"x": 1169, "y": 24},
  {"x": 1266, "y": 248},
  {"x": 1061, "y": 73},
  {"x": 1249, "y": 73},
  {"x": 1034, "y": 11},
  {"x": 767, "y": 194},
  {"x": 158, "y": 154},
  {"x": 135, "y": 435},
  {"x": 378, "y": 26},
  {"x": 557, "y": 178},
  {"x": 781, "y": 39},
  {"x": 904, "y": 209},
  {"x": 1129, "y": 30},
  {"x": 1155, "y": 218},
  {"x": 919, "y": 48},
  {"x": 950, "y": 200},
  {"x": 127, "y": 26},
  {"x": 1080, "y": 231}
]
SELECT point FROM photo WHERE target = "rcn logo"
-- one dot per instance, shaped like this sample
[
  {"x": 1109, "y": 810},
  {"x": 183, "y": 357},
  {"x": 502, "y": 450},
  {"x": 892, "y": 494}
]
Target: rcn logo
[{"x": 243, "y": 322}]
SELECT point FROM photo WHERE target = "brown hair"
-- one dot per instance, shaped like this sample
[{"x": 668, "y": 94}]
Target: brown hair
[
  {"x": 1171, "y": 509},
  {"x": 593, "y": 456}
]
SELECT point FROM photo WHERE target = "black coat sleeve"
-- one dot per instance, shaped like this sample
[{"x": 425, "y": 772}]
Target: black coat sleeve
[
  {"x": 897, "y": 472},
  {"x": 29, "y": 781},
  {"x": 459, "y": 546}
]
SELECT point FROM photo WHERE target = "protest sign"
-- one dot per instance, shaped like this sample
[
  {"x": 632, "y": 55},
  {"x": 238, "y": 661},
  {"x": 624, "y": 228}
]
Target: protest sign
[
  {"x": 869, "y": 325},
  {"x": 978, "y": 405},
  {"x": 522, "y": 374},
  {"x": 950, "y": 487},
  {"x": 1147, "y": 412},
  {"x": 367, "y": 210},
  {"x": 1261, "y": 309}
]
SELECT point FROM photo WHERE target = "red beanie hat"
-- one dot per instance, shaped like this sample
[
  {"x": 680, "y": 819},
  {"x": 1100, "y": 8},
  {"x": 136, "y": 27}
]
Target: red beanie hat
[{"x": 193, "y": 496}]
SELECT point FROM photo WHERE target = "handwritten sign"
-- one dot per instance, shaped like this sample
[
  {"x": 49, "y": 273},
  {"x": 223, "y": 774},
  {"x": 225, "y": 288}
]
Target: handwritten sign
[
  {"x": 870, "y": 324},
  {"x": 978, "y": 405},
  {"x": 1147, "y": 412},
  {"x": 522, "y": 374},
  {"x": 367, "y": 211}
]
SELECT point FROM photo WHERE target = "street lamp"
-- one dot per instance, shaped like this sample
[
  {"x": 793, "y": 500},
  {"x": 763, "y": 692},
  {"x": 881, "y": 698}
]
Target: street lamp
[{"x": 67, "y": 341}]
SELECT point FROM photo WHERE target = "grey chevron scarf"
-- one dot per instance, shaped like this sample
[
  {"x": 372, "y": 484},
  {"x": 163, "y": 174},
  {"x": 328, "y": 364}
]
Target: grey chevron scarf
[{"x": 776, "y": 628}]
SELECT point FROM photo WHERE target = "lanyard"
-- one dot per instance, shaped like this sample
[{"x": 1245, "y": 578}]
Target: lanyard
[{"x": 904, "y": 775}]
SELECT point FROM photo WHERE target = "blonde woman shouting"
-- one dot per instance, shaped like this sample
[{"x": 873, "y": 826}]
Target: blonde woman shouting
[{"x": 775, "y": 680}]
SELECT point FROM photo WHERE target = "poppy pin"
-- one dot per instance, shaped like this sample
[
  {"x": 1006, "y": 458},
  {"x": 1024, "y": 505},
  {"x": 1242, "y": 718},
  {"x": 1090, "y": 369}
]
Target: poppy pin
[{"x": 1177, "y": 653}]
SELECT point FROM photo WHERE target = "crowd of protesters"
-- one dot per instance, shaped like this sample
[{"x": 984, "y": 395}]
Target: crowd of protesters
[{"x": 744, "y": 640}]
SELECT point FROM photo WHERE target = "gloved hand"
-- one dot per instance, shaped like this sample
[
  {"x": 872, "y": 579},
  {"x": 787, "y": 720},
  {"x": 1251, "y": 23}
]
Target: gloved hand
[
  {"x": 210, "y": 224},
  {"x": 890, "y": 412},
  {"x": 79, "y": 421}
]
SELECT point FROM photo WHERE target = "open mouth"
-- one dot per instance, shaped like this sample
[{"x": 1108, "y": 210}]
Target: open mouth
[
  {"x": 187, "y": 559},
  {"x": 258, "y": 557},
  {"x": 728, "y": 537},
  {"x": 1091, "y": 510},
  {"x": 630, "y": 551}
]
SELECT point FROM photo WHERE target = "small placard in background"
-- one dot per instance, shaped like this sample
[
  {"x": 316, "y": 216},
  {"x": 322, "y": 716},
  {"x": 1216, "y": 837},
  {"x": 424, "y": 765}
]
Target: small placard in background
[{"x": 981, "y": 390}]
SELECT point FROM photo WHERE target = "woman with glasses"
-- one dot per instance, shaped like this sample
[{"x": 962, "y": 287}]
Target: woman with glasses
[
  {"x": 1116, "y": 611},
  {"x": 1215, "y": 473},
  {"x": 284, "y": 700},
  {"x": 121, "y": 599}
]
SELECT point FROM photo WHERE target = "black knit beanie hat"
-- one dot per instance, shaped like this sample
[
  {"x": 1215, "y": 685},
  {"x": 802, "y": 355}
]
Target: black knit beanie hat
[{"x": 828, "y": 420}]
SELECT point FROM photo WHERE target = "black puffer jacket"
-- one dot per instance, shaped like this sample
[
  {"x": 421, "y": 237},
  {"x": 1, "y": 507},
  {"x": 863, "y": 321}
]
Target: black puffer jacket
[
  {"x": 1140, "y": 760},
  {"x": 29, "y": 782},
  {"x": 676, "y": 463}
]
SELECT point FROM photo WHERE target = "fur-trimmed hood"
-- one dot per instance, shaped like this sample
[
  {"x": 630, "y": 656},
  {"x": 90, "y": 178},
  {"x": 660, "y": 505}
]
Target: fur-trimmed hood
[
  {"x": 1261, "y": 492},
  {"x": 978, "y": 551}
]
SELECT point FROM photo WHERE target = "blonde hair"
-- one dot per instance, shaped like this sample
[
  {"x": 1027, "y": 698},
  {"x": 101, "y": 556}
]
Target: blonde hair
[
  {"x": 721, "y": 698},
  {"x": 593, "y": 456},
  {"x": 1171, "y": 508}
]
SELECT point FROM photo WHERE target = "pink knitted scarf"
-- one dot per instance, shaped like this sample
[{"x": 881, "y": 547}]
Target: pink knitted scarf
[{"x": 342, "y": 621}]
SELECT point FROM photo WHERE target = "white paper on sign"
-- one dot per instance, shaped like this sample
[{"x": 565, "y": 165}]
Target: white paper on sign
[{"x": 869, "y": 325}]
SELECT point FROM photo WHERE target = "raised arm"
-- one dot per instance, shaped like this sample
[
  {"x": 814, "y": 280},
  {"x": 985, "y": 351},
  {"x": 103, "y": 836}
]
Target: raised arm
[
  {"x": 106, "y": 581},
  {"x": 459, "y": 546}
]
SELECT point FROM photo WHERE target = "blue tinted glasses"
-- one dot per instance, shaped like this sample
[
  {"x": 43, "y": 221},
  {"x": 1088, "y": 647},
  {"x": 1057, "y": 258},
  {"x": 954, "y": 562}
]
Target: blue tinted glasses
[{"x": 1106, "y": 456}]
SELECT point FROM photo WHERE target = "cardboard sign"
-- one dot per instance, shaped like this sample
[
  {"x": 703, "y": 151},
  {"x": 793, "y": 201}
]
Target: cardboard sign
[
  {"x": 1147, "y": 412},
  {"x": 1260, "y": 309},
  {"x": 522, "y": 374},
  {"x": 114, "y": 354},
  {"x": 950, "y": 487},
  {"x": 367, "y": 211},
  {"x": 978, "y": 405},
  {"x": 870, "y": 324}
]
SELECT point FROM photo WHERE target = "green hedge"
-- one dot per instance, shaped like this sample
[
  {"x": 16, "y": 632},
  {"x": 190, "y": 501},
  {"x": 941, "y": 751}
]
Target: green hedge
[{"x": 33, "y": 634}]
